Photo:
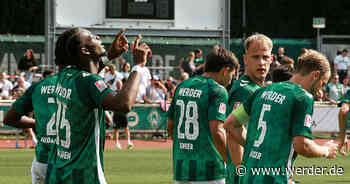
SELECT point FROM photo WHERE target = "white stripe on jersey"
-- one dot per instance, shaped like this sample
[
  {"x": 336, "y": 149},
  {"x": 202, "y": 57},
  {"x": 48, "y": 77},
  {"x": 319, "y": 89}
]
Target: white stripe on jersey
[
  {"x": 101, "y": 176},
  {"x": 290, "y": 157}
]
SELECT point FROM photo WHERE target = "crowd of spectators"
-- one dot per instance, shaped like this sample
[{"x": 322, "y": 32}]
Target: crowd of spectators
[{"x": 153, "y": 90}]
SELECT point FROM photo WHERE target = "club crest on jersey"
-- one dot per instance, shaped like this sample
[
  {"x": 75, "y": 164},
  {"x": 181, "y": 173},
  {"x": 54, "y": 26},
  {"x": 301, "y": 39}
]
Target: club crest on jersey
[
  {"x": 308, "y": 121},
  {"x": 222, "y": 108},
  {"x": 100, "y": 85}
]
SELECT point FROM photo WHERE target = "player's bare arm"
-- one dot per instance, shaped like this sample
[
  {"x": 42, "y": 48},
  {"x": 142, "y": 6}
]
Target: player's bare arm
[
  {"x": 14, "y": 119},
  {"x": 219, "y": 137},
  {"x": 235, "y": 150},
  {"x": 126, "y": 98},
  {"x": 236, "y": 134},
  {"x": 342, "y": 120},
  {"x": 170, "y": 128},
  {"x": 236, "y": 131},
  {"x": 308, "y": 148}
]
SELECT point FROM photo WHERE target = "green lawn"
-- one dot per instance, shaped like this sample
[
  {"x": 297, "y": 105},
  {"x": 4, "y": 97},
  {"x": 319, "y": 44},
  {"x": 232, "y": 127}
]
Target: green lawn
[{"x": 145, "y": 166}]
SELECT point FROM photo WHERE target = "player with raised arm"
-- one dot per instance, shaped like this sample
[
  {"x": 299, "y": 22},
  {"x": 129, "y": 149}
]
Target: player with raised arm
[
  {"x": 195, "y": 119},
  {"x": 280, "y": 118},
  {"x": 257, "y": 62},
  {"x": 79, "y": 98}
]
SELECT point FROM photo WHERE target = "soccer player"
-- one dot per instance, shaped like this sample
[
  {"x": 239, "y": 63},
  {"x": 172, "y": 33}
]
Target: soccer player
[
  {"x": 79, "y": 97},
  {"x": 257, "y": 62},
  {"x": 195, "y": 119},
  {"x": 43, "y": 103},
  {"x": 280, "y": 118}
]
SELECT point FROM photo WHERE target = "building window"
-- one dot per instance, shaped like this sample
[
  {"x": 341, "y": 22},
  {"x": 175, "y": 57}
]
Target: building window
[{"x": 140, "y": 9}]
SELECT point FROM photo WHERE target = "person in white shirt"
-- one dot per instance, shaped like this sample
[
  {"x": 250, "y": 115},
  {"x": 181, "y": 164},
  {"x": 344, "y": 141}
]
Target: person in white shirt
[
  {"x": 112, "y": 75},
  {"x": 346, "y": 85},
  {"x": 21, "y": 83},
  {"x": 5, "y": 86},
  {"x": 141, "y": 68},
  {"x": 156, "y": 92},
  {"x": 341, "y": 64}
]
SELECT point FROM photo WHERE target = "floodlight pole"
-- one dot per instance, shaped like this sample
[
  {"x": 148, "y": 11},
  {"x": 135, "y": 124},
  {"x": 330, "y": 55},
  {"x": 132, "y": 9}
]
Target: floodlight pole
[
  {"x": 318, "y": 40},
  {"x": 50, "y": 23}
]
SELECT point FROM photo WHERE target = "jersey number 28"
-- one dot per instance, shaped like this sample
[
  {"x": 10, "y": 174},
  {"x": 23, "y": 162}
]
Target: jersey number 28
[{"x": 188, "y": 119}]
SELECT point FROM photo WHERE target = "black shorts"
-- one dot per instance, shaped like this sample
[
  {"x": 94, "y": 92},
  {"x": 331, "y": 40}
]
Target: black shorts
[{"x": 120, "y": 120}]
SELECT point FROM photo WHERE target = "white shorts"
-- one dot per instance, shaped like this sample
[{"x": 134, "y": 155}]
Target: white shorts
[
  {"x": 219, "y": 181},
  {"x": 38, "y": 172}
]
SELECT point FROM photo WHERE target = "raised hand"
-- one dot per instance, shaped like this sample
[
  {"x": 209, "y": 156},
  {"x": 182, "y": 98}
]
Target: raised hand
[
  {"x": 119, "y": 45},
  {"x": 141, "y": 51}
]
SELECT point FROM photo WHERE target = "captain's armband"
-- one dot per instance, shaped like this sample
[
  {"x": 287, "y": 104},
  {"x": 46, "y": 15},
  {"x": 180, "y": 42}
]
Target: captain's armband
[{"x": 241, "y": 115}]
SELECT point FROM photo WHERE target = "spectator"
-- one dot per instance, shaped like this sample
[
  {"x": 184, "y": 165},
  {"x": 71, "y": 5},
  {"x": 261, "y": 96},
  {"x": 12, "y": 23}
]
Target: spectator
[
  {"x": 112, "y": 75},
  {"x": 199, "y": 61},
  {"x": 170, "y": 85},
  {"x": 125, "y": 70},
  {"x": 5, "y": 86},
  {"x": 22, "y": 83},
  {"x": 346, "y": 85},
  {"x": 104, "y": 72},
  {"x": 28, "y": 65},
  {"x": 121, "y": 122},
  {"x": 334, "y": 90},
  {"x": 285, "y": 60},
  {"x": 280, "y": 54},
  {"x": 341, "y": 64},
  {"x": 140, "y": 60},
  {"x": 17, "y": 92},
  {"x": 156, "y": 92},
  {"x": 188, "y": 64}
]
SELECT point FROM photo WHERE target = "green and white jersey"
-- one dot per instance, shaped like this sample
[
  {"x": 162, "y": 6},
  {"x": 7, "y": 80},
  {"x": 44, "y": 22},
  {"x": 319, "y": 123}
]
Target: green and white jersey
[
  {"x": 77, "y": 156},
  {"x": 277, "y": 113},
  {"x": 240, "y": 91},
  {"x": 39, "y": 98},
  {"x": 196, "y": 102}
]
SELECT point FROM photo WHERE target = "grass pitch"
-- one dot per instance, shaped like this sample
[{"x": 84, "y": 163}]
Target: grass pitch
[{"x": 151, "y": 166}]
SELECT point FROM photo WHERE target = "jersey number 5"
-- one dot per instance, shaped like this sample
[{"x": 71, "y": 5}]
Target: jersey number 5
[
  {"x": 262, "y": 125},
  {"x": 185, "y": 115},
  {"x": 58, "y": 121}
]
